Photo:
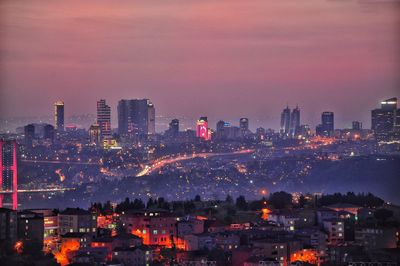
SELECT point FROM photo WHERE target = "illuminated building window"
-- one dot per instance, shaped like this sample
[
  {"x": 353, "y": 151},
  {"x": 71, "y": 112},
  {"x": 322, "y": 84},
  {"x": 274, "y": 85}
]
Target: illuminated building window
[{"x": 155, "y": 232}]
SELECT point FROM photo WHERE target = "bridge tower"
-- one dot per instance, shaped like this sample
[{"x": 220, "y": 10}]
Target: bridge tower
[{"x": 8, "y": 172}]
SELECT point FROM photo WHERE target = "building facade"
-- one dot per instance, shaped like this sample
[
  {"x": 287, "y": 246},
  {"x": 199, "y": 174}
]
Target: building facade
[
  {"x": 104, "y": 118},
  {"x": 59, "y": 115},
  {"x": 136, "y": 118}
]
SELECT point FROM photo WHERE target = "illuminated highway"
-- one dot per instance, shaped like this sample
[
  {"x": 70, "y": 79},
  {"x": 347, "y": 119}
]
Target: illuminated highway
[
  {"x": 60, "y": 162},
  {"x": 159, "y": 163},
  {"x": 37, "y": 190}
]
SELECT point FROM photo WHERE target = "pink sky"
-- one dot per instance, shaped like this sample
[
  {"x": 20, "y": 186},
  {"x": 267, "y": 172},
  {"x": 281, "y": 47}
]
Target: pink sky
[{"x": 225, "y": 59}]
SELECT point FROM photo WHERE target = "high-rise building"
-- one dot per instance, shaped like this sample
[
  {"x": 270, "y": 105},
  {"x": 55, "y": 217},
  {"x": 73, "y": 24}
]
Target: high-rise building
[
  {"x": 48, "y": 132},
  {"x": 294, "y": 122},
  {"x": 202, "y": 128},
  {"x": 8, "y": 173},
  {"x": 151, "y": 119},
  {"x": 260, "y": 133},
  {"x": 136, "y": 117},
  {"x": 356, "y": 125},
  {"x": 220, "y": 129},
  {"x": 385, "y": 120},
  {"x": 38, "y": 132},
  {"x": 29, "y": 132},
  {"x": 305, "y": 131},
  {"x": 104, "y": 118},
  {"x": 244, "y": 126},
  {"x": 59, "y": 115},
  {"x": 95, "y": 134},
  {"x": 173, "y": 129},
  {"x": 326, "y": 128},
  {"x": 285, "y": 121}
]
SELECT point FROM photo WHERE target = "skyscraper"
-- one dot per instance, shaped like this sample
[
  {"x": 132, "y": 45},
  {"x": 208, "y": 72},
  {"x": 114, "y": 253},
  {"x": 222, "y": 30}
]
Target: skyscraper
[
  {"x": 384, "y": 121},
  {"x": 173, "y": 129},
  {"x": 295, "y": 122},
  {"x": 244, "y": 126},
  {"x": 59, "y": 115},
  {"x": 151, "y": 119},
  {"x": 202, "y": 128},
  {"x": 29, "y": 132},
  {"x": 136, "y": 117},
  {"x": 95, "y": 134},
  {"x": 285, "y": 121},
  {"x": 326, "y": 128},
  {"x": 356, "y": 125},
  {"x": 8, "y": 172},
  {"x": 104, "y": 118},
  {"x": 48, "y": 132}
]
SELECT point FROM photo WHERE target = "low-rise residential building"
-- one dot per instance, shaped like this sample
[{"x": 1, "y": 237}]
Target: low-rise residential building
[
  {"x": 227, "y": 241},
  {"x": 285, "y": 219},
  {"x": 30, "y": 226},
  {"x": 376, "y": 237},
  {"x": 199, "y": 242},
  {"x": 276, "y": 249},
  {"x": 189, "y": 226},
  {"x": 135, "y": 256},
  {"x": 154, "y": 227},
  {"x": 76, "y": 220},
  {"x": 8, "y": 225},
  {"x": 335, "y": 231}
]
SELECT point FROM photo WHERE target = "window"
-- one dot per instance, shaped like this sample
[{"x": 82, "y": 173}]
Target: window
[{"x": 155, "y": 232}]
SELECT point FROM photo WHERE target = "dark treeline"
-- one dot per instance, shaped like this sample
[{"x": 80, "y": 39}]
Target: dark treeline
[
  {"x": 276, "y": 200},
  {"x": 361, "y": 199}
]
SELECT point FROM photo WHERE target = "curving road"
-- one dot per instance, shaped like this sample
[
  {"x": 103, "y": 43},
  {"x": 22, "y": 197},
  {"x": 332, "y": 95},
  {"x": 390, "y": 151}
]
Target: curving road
[{"x": 157, "y": 164}]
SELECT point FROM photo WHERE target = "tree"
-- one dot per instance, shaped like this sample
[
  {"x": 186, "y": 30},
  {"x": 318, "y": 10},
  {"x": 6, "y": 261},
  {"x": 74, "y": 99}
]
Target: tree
[
  {"x": 229, "y": 199},
  {"x": 302, "y": 201},
  {"x": 150, "y": 203},
  {"x": 197, "y": 198},
  {"x": 280, "y": 200},
  {"x": 383, "y": 215},
  {"x": 241, "y": 203}
]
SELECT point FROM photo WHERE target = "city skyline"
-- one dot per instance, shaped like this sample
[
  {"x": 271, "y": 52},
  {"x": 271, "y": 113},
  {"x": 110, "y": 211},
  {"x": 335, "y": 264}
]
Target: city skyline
[
  {"x": 188, "y": 132},
  {"x": 235, "y": 121},
  {"x": 201, "y": 54}
]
